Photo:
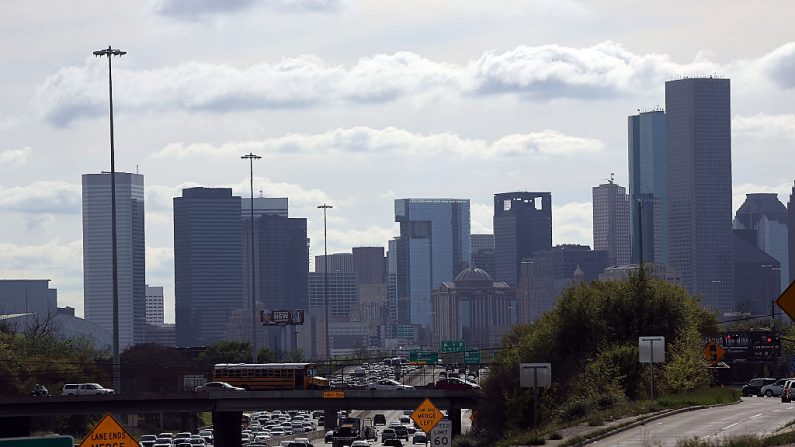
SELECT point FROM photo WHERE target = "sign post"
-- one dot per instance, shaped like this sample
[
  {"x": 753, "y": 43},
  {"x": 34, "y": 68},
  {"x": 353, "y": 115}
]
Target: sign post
[
  {"x": 787, "y": 301},
  {"x": 472, "y": 357},
  {"x": 109, "y": 432},
  {"x": 535, "y": 375},
  {"x": 453, "y": 346},
  {"x": 651, "y": 353},
  {"x": 442, "y": 434},
  {"x": 426, "y": 416},
  {"x": 713, "y": 353}
]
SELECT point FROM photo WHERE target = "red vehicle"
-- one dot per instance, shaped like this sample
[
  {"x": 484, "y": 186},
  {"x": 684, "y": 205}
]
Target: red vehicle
[{"x": 454, "y": 383}]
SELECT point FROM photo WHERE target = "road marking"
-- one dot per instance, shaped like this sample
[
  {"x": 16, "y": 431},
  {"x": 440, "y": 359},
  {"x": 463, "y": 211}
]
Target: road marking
[
  {"x": 756, "y": 416},
  {"x": 730, "y": 426}
]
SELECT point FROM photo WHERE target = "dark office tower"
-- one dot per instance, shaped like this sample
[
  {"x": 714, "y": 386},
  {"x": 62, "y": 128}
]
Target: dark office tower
[
  {"x": 97, "y": 254},
  {"x": 483, "y": 252},
  {"x": 611, "y": 222},
  {"x": 208, "y": 269},
  {"x": 522, "y": 226},
  {"x": 698, "y": 139},
  {"x": 647, "y": 185},
  {"x": 370, "y": 264},
  {"x": 282, "y": 263},
  {"x": 757, "y": 275},
  {"x": 337, "y": 262},
  {"x": 766, "y": 216},
  {"x": 433, "y": 248},
  {"x": 791, "y": 231}
]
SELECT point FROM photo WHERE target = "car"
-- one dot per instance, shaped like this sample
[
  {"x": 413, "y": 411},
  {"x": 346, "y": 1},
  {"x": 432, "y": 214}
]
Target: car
[
  {"x": 379, "y": 419},
  {"x": 392, "y": 443},
  {"x": 84, "y": 389},
  {"x": 218, "y": 386},
  {"x": 147, "y": 440},
  {"x": 39, "y": 390},
  {"x": 388, "y": 385},
  {"x": 754, "y": 386},
  {"x": 327, "y": 437},
  {"x": 419, "y": 438},
  {"x": 207, "y": 435},
  {"x": 401, "y": 432},
  {"x": 360, "y": 443},
  {"x": 388, "y": 433},
  {"x": 303, "y": 441},
  {"x": 453, "y": 383},
  {"x": 786, "y": 390},
  {"x": 772, "y": 389}
]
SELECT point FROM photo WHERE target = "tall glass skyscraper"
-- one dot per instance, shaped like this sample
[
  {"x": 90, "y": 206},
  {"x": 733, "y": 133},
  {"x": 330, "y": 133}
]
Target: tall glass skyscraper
[
  {"x": 611, "y": 222},
  {"x": 522, "y": 226},
  {"x": 97, "y": 254},
  {"x": 698, "y": 141},
  {"x": 767, "y": 217},
  {"x": 647, "y": 185},
  {"x": 208, "y": 264},
  {"x": 433, "y": 247}
]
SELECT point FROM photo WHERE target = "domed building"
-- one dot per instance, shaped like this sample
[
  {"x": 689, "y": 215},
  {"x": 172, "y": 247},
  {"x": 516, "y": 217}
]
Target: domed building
[{"x": 473, "y": 308}]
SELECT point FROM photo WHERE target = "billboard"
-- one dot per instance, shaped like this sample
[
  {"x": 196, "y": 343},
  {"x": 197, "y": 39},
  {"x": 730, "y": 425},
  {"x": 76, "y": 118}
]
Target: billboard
[{"x": 281, "y": 317}]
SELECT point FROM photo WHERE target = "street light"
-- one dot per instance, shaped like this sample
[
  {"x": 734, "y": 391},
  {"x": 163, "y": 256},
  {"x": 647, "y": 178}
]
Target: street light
[
  {"x": 325, "y": 207},
  {"x": 251, "y": 157},
  {"x": 116, "y": 359}
]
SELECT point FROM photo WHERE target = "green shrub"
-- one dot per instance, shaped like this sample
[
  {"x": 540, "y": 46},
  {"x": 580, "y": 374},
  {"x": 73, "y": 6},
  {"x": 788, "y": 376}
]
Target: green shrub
[{"x": 574, "y": 410}]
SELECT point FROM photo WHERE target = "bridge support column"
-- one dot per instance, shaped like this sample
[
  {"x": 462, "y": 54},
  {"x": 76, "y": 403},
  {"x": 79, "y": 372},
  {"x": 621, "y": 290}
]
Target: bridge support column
[
  {"x": 455, "y": 417},
  {"x": 226, "y": 428},
  {"x": 330, "y": 419},
  {"x": 15, "y": 427}
]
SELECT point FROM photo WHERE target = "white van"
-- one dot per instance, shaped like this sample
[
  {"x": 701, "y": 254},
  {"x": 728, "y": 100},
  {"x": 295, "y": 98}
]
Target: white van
[{"x": 84, "y": 389}]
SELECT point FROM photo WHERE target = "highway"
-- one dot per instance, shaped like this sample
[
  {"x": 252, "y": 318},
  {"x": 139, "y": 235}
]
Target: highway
[{"x": 756, "y": 415}]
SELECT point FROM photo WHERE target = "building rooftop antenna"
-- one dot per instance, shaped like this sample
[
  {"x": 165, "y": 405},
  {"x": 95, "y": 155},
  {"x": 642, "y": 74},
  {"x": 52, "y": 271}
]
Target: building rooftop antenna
[{"x": 611, "y": 180}]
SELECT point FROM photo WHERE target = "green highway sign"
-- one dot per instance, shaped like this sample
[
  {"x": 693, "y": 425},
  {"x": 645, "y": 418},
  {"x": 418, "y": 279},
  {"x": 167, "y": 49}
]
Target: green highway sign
[
  {"x": 423, "y": 357},
  {"x": 453, "y": 346},
  {"x": 472, "y": 357},
  {"x": 47, "y": 441}
]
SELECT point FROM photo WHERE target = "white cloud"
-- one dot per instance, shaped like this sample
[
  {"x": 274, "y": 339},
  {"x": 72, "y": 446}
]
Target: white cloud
[
  {"x": 764, "y": 125},
  {"x": 14, "y": 156},
  {"x": 572, "y": 223},
  {"x": 358, "y": 140},
  {"x": 42, "y": 197},
  {"x": 481, "y": 218},
  {"x": 542, "y": 72}
]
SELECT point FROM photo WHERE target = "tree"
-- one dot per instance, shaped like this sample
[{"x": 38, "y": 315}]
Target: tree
[
  {"x": 596, "y": 324},
  {"x": 227, "y": 352}
]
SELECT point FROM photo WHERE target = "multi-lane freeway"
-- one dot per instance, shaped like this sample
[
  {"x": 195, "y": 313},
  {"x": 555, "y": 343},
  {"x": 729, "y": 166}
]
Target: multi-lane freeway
[{"x": 754, "y": 415}]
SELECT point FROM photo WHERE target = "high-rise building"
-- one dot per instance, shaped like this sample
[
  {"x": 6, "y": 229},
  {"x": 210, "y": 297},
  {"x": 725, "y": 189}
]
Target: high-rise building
[
  {"x": 265, "y": 205},
  {"x": 767, "y": 216},
  {"x": 611, "y": 222},
  {"x": 699, "y": 184},
  {"x": 757, "y": 275},
  {"x": 483, "y": 252},
  {"x": 791, "y": 232},
  {"x": 647, "y": 186},
  {"x": 370, "y": 264},
  {"x": 547, "y": 273},
  {"x": 392, "y": 286},
  {"x": 282, "y": 264},
  {"x": 433, "y": 247},
  {"x": 154, "y": 305},
  {"x": 337, "y": 262},
  {"x": 98, "y": 255},
  {"x": 522, "y": 226},
  {"x": 343, "y": 293},
  {"x": 21, "y": 296},
  {"x": 208, "y": 269}
]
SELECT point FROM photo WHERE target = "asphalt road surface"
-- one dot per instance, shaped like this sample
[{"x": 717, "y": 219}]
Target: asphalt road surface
[{"x": 754, "y": 415}]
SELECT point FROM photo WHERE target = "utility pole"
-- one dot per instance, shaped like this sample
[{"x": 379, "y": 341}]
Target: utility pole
[
  {"x": 251, "y": 157},
  {"x": 325, "y": 207},
  {"x": 109, "y": 52}
]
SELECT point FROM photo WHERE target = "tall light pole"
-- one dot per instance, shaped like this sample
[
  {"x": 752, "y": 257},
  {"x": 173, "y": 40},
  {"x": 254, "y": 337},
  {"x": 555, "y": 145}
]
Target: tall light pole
[
  {"x": 251, "y": 157},
  {"x": 325, "y": 276},
  {"x": 116, "y": 358}
]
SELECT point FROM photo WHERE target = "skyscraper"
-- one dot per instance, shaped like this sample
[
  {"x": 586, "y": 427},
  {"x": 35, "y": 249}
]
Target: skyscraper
[
  {"x": 154, "y": 305},
  {"x": 337, "y": 262},
  {"x": 699, "y": 185},
  {"x": 97, "y": 254},
  {"x": 611, "y": 222},
  {"x": 647, "y": 185},
  {"x": 370, "y": 264},
  {"x": 767, "y": 217},
  {"x": 483, "y": 252},
  {"x": 208, "y": 269},
  {"x": 522, "y": 226},
  {"x": 433, "y": 247}
]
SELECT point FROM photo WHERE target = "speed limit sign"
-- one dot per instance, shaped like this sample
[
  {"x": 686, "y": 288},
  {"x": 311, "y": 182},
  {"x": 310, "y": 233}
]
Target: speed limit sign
[{"x": 441, "y": 435}]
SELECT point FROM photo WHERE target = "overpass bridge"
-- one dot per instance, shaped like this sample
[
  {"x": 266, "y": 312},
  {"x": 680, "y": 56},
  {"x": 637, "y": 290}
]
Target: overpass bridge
[{"x": 227, "y": 407}]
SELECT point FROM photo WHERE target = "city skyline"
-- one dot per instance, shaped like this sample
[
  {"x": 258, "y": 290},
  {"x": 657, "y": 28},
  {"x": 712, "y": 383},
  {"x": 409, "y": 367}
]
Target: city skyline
[{"x": 492, "y": 107}]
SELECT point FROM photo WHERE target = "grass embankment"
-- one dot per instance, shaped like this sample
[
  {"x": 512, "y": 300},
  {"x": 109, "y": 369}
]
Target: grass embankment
[
  {"x": 787, "y": 438},
  {"x": 603, "y": 411}
]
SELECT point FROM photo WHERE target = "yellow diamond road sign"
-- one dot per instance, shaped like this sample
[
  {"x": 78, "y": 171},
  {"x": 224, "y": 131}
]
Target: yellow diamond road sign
[
  {"x": 109, "y": 433},
  {"x": 787, "y": 301},
  {"x": 426, "y": 416}
]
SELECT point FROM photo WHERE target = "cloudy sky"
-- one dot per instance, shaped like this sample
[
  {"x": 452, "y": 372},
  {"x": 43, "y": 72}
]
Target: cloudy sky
[{"x": 359, "y": 102}]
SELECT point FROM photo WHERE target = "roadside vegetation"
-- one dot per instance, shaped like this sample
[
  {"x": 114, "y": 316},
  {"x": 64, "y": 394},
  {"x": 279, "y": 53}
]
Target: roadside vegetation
[{"x": 591, "y": 340}]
